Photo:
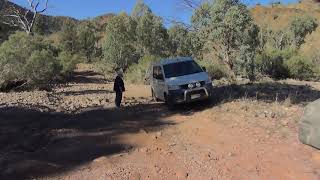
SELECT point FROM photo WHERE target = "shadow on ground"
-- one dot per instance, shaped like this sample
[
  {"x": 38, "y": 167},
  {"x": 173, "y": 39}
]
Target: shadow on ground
[
  {"x": 85, "y": 92},
  {"x": 35, "y": 144},
  {"x": 263, "y": 92},
  {"x": 85, "y": 77}
]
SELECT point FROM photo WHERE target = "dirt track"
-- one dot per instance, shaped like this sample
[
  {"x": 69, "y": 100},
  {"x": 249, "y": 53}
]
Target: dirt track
[{"x": 74, "y": 132}]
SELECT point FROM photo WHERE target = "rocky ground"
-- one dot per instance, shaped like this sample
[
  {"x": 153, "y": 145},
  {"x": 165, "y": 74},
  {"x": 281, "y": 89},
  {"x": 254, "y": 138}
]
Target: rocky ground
[{"x": 74, "y": 132}]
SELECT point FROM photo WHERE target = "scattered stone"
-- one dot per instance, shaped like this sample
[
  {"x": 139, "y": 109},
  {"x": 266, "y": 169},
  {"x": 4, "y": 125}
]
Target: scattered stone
[
  {"x": 158, "y": 135},
  {"x": 100, "y": 159},
  {"x": 142, "y": 131},
  {"x": 208, "y": 156},
  {"x": 182, "y": 174},
  {"x": 157, "y": 169},
  {"x": 284, "y": 122},
  {"x": 135, "y": 176},
  {"x": 144, "y": 150}
]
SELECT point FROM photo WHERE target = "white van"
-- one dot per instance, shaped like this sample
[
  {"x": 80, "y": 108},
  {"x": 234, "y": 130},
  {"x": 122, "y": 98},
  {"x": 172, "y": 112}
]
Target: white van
[{"x": 179, "y": 80}]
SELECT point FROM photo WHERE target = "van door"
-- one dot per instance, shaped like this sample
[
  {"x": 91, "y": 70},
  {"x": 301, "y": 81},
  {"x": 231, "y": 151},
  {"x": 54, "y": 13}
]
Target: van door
[
  {"x": 158, "y": 82},
  {"x": 155, "y": 81},
  {"x": 161, "y": 84}
]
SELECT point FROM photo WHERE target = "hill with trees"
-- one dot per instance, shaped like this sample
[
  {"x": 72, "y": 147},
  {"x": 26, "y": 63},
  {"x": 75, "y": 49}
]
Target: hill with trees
[
  {"x": 278, "y": 16},
  {"x": 226, "y": 36}
]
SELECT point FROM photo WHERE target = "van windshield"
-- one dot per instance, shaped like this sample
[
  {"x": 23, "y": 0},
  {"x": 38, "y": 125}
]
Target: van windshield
[{"x": 181, "y": 69}]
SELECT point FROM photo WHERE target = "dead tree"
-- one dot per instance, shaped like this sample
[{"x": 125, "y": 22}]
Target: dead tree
[{"x": 24, "y": 18}]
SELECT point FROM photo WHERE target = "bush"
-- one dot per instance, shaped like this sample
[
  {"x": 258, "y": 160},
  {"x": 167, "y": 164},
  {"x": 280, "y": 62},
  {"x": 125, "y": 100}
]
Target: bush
[
  {"x": 68, "y": 62},
  {"x": 41, "y": 68},
  {"x": 31, "y": 60},
  {"x": 14, "y": 54},
  {"x": 300, "y": 68},
  {"x": 215, "y": 70},
  {"x": 138, "y": 73},
  {"x": 272, "y": 64}
]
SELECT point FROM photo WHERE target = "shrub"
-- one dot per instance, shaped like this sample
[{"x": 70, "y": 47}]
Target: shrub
[
  {"x": 215, "y": 70},
  {"x": 41, "y": 68},
  {"x": 272, "y": 64},
  {"x": 29, "y": 59},
  {"x": 300, "y": 68},
  {"x": 13, "y": 56},
  {"x": 138, "y": 73},
  {"x": 68, "y": 62}
]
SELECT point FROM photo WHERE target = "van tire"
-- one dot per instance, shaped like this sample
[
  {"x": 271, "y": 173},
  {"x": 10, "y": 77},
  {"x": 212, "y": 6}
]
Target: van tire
[{"x": 168, "y": 102}]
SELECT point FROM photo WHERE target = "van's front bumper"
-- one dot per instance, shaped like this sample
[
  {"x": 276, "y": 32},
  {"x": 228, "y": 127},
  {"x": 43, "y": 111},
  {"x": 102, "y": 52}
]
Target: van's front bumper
[{"x": 189, "y": 95}]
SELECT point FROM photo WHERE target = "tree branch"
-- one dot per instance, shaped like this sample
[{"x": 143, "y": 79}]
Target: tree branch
[
  {"x": 192, "y": 4},
  {"x": 22, "y": 18}
]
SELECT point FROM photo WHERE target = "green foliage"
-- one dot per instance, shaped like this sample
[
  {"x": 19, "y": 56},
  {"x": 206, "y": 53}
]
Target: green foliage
[
  {"x": 180, "y": 41},
  {"x": 301, "y": 27},
  {"x": 68, "y": 40},
  {"x": 280, "y": 39},
  {"x": 229, "y": 30},
  {"x": 86, "y": 40},
  {"x": 272, "y": 64},
  {"x": 280, "y": 64},
  {"x": 118, "y": 46},
  {"x": 21, "y": 52},
  {"x": 40, "y": 25},
  {"x": 151, "y": 35},
  {"x": 129, "y": 38},
  {"x": 300, "y": 68},
  {"x": 215, "y": 70},
  {"x": 33, "y": 60},
  {"x": 138, "y": 73},
  {"x": 279, "y": 56},
  {"x": 41, "y": 68},
  {"x": 68, "y": 62}
]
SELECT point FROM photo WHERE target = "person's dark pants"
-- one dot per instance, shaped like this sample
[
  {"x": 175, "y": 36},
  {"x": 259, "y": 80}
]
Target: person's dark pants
[{"x": 118, "y": 98}]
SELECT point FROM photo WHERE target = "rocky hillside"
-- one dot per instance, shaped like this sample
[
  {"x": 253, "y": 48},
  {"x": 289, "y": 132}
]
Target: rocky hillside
[{"x": 278, "y": 16}]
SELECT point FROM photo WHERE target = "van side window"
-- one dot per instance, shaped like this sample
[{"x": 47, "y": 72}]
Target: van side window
[
  {"x": 157, "y": 73},
  {"x": 160, "y": 74}
]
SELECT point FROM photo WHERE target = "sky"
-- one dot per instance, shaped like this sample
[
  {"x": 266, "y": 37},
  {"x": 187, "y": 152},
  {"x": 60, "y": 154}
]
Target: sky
[{"x": 83, "y": 9}]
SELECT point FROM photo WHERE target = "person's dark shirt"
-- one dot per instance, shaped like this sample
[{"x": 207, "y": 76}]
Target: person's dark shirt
[{"x": 118, "y": 85}]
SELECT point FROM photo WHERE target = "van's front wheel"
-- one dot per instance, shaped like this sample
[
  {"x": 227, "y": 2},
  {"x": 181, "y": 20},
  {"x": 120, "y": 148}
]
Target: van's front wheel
[{"x": 168, "y": 102}]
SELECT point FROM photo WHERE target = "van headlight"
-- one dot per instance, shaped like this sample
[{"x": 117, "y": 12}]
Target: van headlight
[{"x": 173, "y": 87}]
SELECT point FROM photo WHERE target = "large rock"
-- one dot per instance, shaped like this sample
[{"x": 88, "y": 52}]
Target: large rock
[{"x": 309, "y": 126}]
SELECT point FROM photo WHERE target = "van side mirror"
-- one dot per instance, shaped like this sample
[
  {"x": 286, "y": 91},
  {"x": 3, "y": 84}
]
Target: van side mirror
[{"x": 204, "y": 69}]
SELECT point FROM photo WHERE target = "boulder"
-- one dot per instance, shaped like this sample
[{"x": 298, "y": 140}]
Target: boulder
[{"x": 309, "y": 126}]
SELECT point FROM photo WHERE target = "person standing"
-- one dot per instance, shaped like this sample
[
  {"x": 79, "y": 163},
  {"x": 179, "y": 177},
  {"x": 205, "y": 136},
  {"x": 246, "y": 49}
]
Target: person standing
[{"x": 118, "y": 88}]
